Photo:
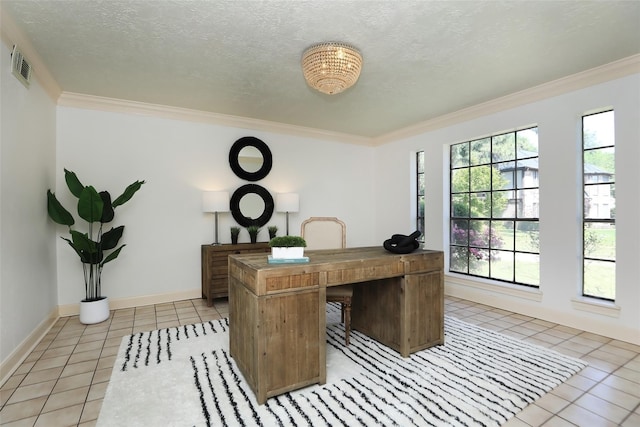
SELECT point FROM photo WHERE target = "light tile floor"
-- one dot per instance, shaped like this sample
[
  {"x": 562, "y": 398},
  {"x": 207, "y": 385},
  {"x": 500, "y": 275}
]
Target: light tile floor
[{"x": 63, "y": 381}]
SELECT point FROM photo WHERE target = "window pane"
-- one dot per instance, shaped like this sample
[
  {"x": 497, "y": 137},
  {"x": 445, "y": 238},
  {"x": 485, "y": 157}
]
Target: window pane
[
  {"x": 598, "y": 130},
  {"x": 421, "y": 186},
  {"x": 480, "y": 205},
  {"x": 481, "y": 151},
  {"x": 527, "y": 175},
  {"x": 502, "y": 235},
  {"x": 460, "y": 180},
  {"x": 506, "y": 178},
  {"x": 600, "y": 241},
  {"x": 600, "y": 162},
  {"x": 528, "y": 203},
  {"x": 479, "y": 262},
  {"x": 502, "y": 265},
  {"x": 479, "y": 234},
  {"x": 504, "y": 147},
  {"x": 481, "y": 178},
  {"x": 528, "y": 236},
  {"x": 528, "y": 269},
  {"x": 460, "y": 155},
  {"x": 527, "y": 143},
  {"x": 460, "y": 232},
  {"x": 420, "y": 162},
  {"x": 502, "y": 208},
  {"x": 459, "y": 259},
  {"x": 599, "y": 201},
  {"x": 600, "y": 279},
  {"x": 460, "y": 205}
]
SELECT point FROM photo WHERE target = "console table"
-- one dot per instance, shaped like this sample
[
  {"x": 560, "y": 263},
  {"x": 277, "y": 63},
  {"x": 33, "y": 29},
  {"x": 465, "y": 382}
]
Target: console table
[
  {"x": 277, "y": 313},
  {"x": 215, "y": 267}
]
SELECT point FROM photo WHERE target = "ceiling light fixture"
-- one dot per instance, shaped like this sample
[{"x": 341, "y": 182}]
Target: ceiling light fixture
[{"x": 331, "y": 67}]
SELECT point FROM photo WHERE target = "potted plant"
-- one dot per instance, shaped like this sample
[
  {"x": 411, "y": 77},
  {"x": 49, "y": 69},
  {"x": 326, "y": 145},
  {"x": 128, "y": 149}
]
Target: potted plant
[
  {"x": 97, "y": 209},
  {"x": 235, "y": 231},
  {"x": 287, "y": 247},
  {"x": 253, "y": 233},
  {"x": 272, "y": 231}
]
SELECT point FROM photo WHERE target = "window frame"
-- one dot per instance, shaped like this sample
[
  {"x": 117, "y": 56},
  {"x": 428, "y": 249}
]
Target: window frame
[
  {"x": 593, "y": 181},
  {"x": 420, "y": 194},
  {"x": 513, "y": 191}
]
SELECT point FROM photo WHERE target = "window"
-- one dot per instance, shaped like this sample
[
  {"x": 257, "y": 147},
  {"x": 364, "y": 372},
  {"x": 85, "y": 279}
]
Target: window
[
  {"x": 420, "y": 193},
  {"x": 599, "y": 202},
  {"x": 494, "y": 204}
]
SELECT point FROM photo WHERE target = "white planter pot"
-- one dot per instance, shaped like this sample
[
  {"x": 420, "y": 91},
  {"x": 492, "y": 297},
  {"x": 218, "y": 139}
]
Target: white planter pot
[
  {"x": 287, "y": 253},
  {"x": 94, "y": 311}
]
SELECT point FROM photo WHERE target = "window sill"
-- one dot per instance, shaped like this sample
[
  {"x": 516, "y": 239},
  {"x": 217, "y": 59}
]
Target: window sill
[
  {"x": 592, "y": 305},
  {"x": 523, "y": 292}
]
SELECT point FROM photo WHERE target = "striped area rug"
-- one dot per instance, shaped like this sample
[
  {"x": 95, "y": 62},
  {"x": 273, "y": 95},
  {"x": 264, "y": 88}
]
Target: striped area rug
[{"x": 185, "y": 376}]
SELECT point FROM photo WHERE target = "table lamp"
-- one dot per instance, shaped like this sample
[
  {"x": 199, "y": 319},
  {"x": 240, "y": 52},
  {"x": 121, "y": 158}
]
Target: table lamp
[
  {"x": 287, "y": 202},
  {"x": 214, "y": 202}
]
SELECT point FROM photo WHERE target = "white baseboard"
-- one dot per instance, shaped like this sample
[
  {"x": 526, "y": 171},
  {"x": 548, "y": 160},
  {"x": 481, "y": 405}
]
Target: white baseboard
[
  {"x": 20, "y": 353},
  {"x": 532, "y": 306},
  {"x": 120, "y": 303},
  {"x": 17, "y": 356}
]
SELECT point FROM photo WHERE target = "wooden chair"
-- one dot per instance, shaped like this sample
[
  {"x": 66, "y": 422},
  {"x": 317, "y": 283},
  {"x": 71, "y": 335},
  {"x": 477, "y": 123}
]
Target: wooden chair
[{"x": 330, "y": 233}]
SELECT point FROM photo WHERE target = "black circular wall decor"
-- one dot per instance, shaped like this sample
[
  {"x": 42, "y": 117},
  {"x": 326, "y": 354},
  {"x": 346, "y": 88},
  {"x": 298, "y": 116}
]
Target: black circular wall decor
[
  {"x": 234, "y": 158},
  {"x": 237, "y": 213}
]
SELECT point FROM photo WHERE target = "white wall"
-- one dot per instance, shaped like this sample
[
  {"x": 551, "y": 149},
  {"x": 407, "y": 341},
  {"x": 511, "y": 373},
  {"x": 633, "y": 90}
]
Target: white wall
[
  {"x": 558, "y": 120},
  {"x": 164, "y": 223},
  {"x": 27, "y": 244}
]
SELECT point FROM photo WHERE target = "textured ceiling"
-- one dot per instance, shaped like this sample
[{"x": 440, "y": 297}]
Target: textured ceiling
[{"x": 422, "y": 59}]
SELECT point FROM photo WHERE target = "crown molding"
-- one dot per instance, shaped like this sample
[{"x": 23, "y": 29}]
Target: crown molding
[
  {"x": 11, "y": 35},
  {"x": 604, "y": 73},
  {"x": 77, "y": 100}
]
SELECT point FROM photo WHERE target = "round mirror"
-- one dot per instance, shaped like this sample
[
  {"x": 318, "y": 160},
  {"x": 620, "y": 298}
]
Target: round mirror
[
  {"x": 251, "y": 204},
  {"x": 250, "y": 158}
]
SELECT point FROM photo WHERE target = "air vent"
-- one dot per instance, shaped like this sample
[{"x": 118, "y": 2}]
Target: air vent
[{"x": 20, "y": 67}]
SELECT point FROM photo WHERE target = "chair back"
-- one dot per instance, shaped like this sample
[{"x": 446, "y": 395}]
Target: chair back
[{"x": 323, "y": 232}]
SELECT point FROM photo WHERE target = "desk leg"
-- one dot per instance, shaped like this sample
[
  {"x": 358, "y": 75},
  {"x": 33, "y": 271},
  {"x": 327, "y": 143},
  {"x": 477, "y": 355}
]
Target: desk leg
[
  {"x": 278, "y": 341},
  {"x": 406, "y": 314}
]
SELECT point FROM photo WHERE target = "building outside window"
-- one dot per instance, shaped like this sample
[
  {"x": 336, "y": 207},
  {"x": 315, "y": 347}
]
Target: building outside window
[
  {"x": 598, "y": 190},
  {"x": 494, "y": 208}
]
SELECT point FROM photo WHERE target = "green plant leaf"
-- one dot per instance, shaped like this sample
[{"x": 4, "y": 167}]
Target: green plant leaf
[
  {"x": 128, "y": 193},
  {"x": 90, "y": 205},
  {"x": 113, "y": 255},
  {"x": 74, "y": 184},
  {"x": 110, "y": 238},
  {"x": 287, "y": 242},
  {"x": 73, "y": 246},
  {"x": 57, "y": 212},
  {"x": 107, "y": 208},
  {"x": 85, "y": 247}
]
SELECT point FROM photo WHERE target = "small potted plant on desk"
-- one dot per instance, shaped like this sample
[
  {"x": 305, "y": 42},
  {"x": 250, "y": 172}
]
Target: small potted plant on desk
[{"x": 287, "y": 247}]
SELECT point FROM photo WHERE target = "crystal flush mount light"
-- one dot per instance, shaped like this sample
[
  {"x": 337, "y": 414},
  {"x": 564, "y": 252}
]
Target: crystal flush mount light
[{"x": 331, "y": 67}]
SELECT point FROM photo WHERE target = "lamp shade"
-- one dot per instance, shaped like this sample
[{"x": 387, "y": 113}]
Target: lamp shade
[
  {"x": 287, "y": 202},
  {"x": 215, "y": 201}
]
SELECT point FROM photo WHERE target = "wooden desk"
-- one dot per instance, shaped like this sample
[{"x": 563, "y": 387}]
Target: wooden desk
[{"x": 277, "y": 312}]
